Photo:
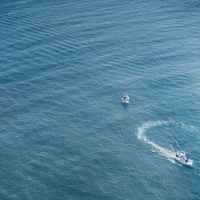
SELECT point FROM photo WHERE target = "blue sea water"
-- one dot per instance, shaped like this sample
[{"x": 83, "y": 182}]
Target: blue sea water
[{"x": 64, "y": 66}]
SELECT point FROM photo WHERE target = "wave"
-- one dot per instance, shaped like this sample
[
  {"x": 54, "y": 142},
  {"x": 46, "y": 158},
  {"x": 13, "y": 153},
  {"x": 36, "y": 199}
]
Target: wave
[{"x": 168, "y": 153}]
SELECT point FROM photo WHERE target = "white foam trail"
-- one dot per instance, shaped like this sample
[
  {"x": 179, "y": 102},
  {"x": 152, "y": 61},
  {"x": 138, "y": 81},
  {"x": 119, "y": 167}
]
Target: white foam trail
[{"x": 169, "y": 154}]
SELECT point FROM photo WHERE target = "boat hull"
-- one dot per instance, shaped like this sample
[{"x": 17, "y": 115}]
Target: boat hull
[
  {"x": 189, "y": 163},
  {"x": 125, "y": 101}
]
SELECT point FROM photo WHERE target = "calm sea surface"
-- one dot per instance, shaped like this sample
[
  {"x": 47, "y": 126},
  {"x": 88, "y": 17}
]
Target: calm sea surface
[{"x": 64, "y": 66}]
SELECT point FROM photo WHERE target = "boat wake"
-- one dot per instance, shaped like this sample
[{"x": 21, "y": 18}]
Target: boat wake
[{"x": 170, "y": 154}]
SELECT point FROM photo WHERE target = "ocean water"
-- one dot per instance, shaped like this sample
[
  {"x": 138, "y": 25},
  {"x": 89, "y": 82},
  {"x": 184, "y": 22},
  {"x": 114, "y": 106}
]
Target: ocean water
[{"x": 64, "y": 66}]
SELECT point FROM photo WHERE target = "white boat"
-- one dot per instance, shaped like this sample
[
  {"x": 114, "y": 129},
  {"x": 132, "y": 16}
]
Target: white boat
[
  {"x": 182, "y": 158},
  {"x": 125, "y": 99}
]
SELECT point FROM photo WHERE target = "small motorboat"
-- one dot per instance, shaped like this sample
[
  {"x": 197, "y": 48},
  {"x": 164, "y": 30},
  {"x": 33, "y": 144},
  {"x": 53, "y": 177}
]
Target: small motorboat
[
  {"x": 182, "y": 158},
  {"x": 125, "y": 99}
]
